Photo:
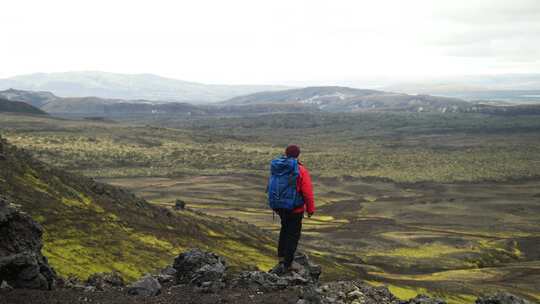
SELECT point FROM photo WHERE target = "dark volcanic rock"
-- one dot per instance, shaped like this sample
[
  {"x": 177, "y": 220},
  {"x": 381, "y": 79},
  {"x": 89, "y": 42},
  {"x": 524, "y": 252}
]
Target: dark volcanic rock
[
  {"x": 423, "y": 299},
  {"x": 200, "y": 268},
  {"x": 169, "y": 270},
  {"x": 349, "y": 292},
  {"x": 21, "y": 263},
  {"x": 103, "y": 281},
  {"x": 501, "y": 298},
  {"x": 166, "y": 275},
  {"x": 259, "y": 280},
  {"x": 179, "y": 205},
  {"x": 276, "y": 279},
  {"x": 147, "y": 286}
]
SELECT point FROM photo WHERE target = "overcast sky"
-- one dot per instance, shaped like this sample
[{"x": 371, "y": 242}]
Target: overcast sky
[{"x": 273, "y": 41}]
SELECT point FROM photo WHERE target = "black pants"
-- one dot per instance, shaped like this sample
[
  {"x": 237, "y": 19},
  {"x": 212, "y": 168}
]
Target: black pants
[{"x": 289, "y": 235}]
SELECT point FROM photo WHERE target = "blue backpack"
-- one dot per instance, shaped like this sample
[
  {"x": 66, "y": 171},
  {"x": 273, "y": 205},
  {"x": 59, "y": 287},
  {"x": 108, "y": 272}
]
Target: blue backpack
[{"x": 282, "y": 192}]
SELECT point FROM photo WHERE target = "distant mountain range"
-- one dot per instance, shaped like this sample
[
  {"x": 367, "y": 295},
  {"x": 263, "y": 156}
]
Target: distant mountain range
[
  {"x": 310, "y": 99},
  {"x": 511, "y": 88},
  {"x": 127, "y": 86}
]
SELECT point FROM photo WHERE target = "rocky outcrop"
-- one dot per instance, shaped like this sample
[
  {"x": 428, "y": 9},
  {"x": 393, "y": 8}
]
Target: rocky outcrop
[
  {"x": 21, "y": 263},
  {"x": 260, "y": 281},
  {"x": 349, "y": 292},
  {"x": 306, "y": 274},
  {"x": 202, "y": 269},
  {"x": 501, "y": 298}
]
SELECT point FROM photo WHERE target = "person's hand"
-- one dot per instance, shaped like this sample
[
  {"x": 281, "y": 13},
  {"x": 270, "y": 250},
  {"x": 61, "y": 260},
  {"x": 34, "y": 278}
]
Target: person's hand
[{"x": 309, "y": 214}]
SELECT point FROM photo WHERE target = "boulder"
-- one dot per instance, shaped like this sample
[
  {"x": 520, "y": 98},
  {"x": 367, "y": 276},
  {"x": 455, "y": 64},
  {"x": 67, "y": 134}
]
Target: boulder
[
  {"x": 200, "y": 268},
  {"x": 166, "y": 275},
  {"x": 106, "y": 280},
  {"x": 21, "y": 263},
  {"x": 147, "y": 286},
  {"x": 179, "y": 205},
  {"x": 501, "y": 298}
]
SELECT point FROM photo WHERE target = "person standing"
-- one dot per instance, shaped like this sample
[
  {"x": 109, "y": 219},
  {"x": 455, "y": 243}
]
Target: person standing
[{"x": 290, "y": 195}]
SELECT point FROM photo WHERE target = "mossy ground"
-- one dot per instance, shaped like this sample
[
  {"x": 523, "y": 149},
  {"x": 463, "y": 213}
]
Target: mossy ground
[{"x": 109, "y": 229}]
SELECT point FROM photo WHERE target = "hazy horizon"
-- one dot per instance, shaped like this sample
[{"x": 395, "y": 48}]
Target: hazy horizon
[
  {"x": 359, "y": 82},
  {"x": 251, "y": 42}
]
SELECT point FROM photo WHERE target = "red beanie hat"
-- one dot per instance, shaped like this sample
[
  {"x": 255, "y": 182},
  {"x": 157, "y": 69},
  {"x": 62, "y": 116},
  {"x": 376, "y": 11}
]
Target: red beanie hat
[{"x": 292, "y": 151}]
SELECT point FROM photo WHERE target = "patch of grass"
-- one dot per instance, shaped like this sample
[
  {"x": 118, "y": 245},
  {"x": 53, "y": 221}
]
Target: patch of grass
[{"x": 432, "y": 250}]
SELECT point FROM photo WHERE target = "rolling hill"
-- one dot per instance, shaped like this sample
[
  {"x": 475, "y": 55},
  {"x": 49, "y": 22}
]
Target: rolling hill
[
  {"x": 96, "y": 106},
  {"x": 36, "y": 98},
  {"x": 19, "y": 107},
  {"x": 344, "y": 99},
  {"x": 128, "y": 86},
  {"x": 305, "y": 100}
]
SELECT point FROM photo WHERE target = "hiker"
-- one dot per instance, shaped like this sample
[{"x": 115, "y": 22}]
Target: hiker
[{"x": 290, "y": 195}]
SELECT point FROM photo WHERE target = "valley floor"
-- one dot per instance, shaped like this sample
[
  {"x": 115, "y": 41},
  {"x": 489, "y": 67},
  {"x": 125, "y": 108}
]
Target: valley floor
[
  {"x": 444, "y": 239},
  {"x": 452, "y": 222}
]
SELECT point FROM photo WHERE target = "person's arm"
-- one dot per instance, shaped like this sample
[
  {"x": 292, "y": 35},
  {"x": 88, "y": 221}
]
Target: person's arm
[{"x": 306, "y": 188}]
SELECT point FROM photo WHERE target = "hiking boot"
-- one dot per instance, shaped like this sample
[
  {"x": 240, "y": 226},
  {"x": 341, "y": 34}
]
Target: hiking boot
[
  {"x": 279, "y": 269},
  {"x": 295, "y": 267}
]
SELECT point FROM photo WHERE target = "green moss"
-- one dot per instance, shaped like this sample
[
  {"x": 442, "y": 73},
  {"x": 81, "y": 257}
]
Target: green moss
[
  {"x": 152, "y": 241},
  {"x": 82, "y": 254},
  {"x": 82, "y": 201},
  {"x": 432, "y": 250},
  {"x": 405, "y": 293},
  {"x": 30, "y": 178},
  {"x": 39, "y": 218}
]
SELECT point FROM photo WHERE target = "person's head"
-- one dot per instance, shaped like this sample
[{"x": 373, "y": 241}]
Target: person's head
[{"x": 292, "y": 151}]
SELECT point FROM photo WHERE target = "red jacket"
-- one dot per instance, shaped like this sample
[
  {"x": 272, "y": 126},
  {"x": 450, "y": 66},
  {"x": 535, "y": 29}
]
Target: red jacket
[{"x": 304, "y": 187}]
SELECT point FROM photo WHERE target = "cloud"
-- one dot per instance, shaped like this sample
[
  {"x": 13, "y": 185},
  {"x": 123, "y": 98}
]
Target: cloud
[
  {"x": 250, "y": 41},
  {"x": 506, "y": 30}
]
